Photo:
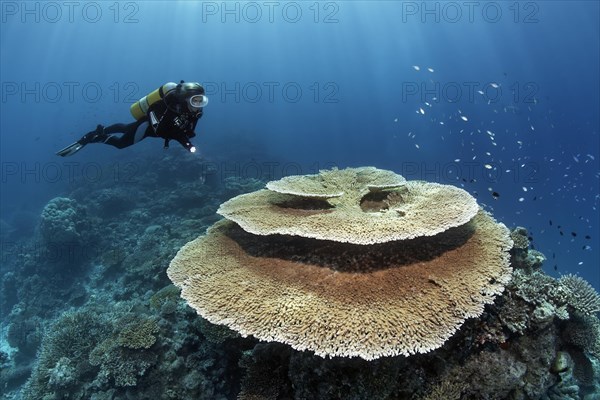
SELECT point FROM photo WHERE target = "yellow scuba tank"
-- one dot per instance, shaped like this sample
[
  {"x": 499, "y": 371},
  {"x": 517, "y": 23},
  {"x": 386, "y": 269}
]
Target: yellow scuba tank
[{"x": 140, "y": 107}]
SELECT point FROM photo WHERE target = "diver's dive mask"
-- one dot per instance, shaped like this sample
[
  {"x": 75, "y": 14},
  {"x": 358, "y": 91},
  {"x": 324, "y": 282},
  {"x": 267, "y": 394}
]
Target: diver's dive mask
[{"x": 196, "y": 102}]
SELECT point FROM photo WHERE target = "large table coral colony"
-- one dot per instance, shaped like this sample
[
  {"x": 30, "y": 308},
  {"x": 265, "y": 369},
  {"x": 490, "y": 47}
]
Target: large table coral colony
[{"x": 353, "y": 262}]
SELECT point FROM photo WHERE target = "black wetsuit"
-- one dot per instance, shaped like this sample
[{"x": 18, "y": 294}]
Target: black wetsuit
[{"x": 167, "y": 124}]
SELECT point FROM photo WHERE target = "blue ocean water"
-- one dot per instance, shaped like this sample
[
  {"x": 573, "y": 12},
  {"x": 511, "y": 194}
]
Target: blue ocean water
[
  {"x": 495, "y": 97},
  {"x": 499, "y": 98}
]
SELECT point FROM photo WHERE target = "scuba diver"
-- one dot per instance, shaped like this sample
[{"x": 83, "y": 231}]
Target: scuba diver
[{"x": 170, "y": 112}]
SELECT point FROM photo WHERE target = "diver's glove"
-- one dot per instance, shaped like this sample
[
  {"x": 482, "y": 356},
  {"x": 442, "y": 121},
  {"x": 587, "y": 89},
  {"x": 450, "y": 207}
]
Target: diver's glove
[{"x": 189, "y": 147}]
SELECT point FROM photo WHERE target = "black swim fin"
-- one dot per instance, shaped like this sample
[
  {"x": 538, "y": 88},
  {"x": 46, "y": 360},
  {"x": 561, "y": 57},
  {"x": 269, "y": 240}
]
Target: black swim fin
[{"x": 70, "y": 149}]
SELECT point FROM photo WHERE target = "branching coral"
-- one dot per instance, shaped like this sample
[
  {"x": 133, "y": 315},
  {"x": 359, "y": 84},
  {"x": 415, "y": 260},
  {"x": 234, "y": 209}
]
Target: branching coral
[
  {"x": 120, "y": 363},
  {"x": 580, "y": 294},
  {"x": 138, "y": 333},
  {"x": 122, "y": 355},
  {"x": 445, "y": 390},
  {"x": 168, "y": 294},
  {"x": 64, "y": 351},
  {"x": 216, "y": 334},
  {"x": 584, "y": 333},
  {"x": 520, "y": 238}
]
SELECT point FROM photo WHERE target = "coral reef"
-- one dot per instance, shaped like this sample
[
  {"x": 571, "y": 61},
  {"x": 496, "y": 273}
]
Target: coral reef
[
  {"x": 111, "y": 326},
  {"x": 584, "y": 333},
  {"x": 92, "y": 351},
  {"x": 580, "y": 294},
  {"x": 63, "y": 221},
  {"x": 148, "y": 335},
  {"x": 264, "y": 379},
  {"x": 137, "y": 333},
  {"x": 348, "y": 297},
  {"x": 119, "y": 363},
  {"x": 113, "y": 201},
  {"x": 165, "y": 299},
  {"x": 342, "y": 378},
  {"x": 62, "y": 360}
]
